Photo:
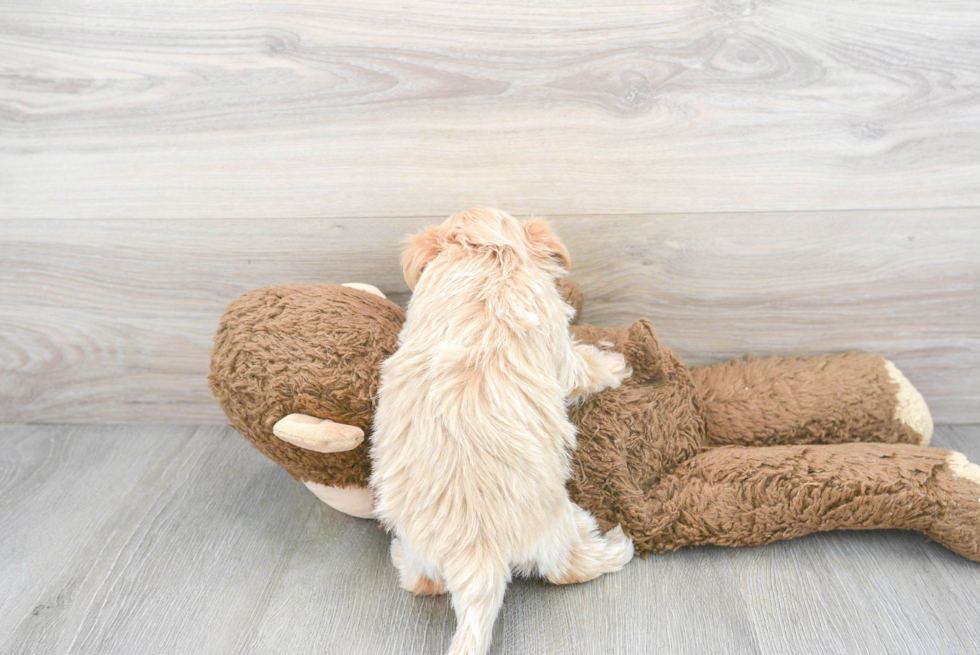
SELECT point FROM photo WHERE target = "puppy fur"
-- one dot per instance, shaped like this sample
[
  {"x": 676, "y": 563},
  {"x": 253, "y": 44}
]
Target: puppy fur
[{"x": 471, "y": 442}]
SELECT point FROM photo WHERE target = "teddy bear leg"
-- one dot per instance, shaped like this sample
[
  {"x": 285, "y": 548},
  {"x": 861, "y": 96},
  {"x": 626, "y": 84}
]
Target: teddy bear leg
[
  {"x": 910, "y": 406},
  {"x": 753, "y": 496},
  {"x": 811, "y": 400}
]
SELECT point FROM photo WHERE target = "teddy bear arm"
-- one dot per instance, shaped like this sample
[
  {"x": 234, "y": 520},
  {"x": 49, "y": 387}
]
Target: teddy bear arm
[
  {"x": 827, "y": 399},
  {"x": 753, "y": 496}
]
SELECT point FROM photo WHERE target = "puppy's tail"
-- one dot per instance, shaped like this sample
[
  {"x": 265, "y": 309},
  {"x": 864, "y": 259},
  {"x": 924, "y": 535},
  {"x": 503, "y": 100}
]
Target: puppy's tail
[{"x": 477, "y": 581}]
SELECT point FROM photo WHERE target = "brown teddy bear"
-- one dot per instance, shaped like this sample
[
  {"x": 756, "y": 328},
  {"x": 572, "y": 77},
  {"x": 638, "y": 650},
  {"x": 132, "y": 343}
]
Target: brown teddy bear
[{"x": 740, "y": 453}]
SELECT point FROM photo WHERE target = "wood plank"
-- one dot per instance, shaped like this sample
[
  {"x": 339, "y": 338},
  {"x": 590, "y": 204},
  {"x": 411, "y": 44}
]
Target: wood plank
[
  {"x": 626, "y": 613},
  {"x": 57, "y": 486},
  {"x": 137, "y": 109},
  {"x": 112, "y": 321},
  {"x": 214, "y": 549},
  {"x": 183, "y": 563}
]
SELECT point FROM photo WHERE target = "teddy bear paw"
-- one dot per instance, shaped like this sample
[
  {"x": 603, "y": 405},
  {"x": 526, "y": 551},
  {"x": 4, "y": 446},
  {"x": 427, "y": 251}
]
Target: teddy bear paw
[{"x": 910, "y": 408}]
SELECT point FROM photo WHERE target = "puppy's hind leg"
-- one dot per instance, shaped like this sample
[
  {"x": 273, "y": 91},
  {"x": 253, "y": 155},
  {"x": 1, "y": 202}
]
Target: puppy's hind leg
[
  {"x": 415, "y": 575},
  {"x": 477, "y": 582},
  {"x": 575, "y": 551}
]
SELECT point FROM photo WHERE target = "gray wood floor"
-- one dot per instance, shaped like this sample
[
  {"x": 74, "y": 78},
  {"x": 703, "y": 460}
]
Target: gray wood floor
[{"x": 182, "y": 539}]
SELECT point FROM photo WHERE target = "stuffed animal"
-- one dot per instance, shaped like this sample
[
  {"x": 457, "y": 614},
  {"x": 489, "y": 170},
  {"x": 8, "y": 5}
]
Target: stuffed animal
[{"x": 740, "y": 453}]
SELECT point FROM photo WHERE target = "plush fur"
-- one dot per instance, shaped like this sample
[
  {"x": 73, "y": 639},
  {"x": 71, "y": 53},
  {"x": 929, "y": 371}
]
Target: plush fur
[
  {"x": 741, "y": 453},
  {"x": 471, "y": 439}
]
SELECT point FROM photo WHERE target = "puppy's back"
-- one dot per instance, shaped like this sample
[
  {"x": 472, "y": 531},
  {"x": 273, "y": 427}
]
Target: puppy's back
[{"x": 471, "y": 435}]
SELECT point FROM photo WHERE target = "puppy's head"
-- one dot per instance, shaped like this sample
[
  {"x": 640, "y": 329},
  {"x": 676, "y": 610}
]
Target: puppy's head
[{"x": 486, "y": 230}]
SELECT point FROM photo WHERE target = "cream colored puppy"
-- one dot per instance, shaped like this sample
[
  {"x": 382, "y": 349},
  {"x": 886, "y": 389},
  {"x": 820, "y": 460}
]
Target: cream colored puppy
[{"x": 471, "y": 442}]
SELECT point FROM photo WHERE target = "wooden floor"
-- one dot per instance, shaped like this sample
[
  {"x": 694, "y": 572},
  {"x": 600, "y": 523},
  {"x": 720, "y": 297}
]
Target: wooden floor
[
  {"x": 780, "y": 177},
  {"x": 182, "y": 539}
]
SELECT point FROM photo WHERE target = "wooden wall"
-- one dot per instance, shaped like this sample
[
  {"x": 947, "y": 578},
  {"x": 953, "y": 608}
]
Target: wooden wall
[{"x": 766, "y": 177}]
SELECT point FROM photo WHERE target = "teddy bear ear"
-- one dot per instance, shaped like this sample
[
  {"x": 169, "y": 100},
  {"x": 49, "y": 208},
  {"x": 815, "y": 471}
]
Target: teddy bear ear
[
  {"x": 420, "y": 249},
  {"x": 544, "y": 243}
]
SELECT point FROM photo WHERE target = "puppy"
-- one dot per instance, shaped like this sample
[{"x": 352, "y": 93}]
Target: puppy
[{"x": 471, "y": 443}]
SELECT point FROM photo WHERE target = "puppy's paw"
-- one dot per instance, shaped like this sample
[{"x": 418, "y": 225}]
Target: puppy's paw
[
  {"x": 424, "y": 586},
  {"x": 618, "y": 369},
  {"x": 608, "y": 369},
  {"x": 410, "y": 574},
  {"x": 595, "y": 555},
  {"x": 604, "y": 369},
  {"x": 619, "y": 548}
]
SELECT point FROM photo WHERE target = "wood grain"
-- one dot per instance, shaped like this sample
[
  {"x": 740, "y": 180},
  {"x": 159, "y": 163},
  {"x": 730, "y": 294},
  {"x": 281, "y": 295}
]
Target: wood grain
[
  {"x": 57, "y": 487},
  {"x": 181, "y": 563},
  {"x": 111, "y": 321},
  {"x": 129, "y": 539},
  {"x": 137, "y": 109}
]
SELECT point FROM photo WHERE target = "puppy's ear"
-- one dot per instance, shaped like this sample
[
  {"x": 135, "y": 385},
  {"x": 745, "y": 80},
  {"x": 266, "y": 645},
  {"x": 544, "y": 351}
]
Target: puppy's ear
[
  {"x": 543, "y": 242},
  {"x": 420, "y": 249}
]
